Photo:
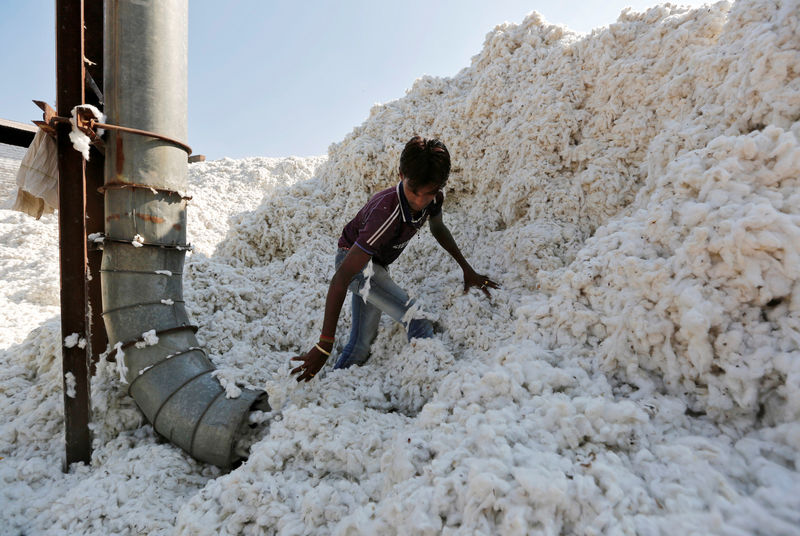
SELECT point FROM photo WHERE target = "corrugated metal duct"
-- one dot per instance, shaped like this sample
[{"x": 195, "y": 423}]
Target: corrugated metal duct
[{"x": 145, "y": 81}]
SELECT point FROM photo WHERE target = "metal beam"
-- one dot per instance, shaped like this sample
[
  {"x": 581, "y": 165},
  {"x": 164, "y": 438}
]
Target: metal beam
[
  {"x": 70, "y": 77},
  {"x": 95, "y": 169},
  {"x": 13, "y": 133}
]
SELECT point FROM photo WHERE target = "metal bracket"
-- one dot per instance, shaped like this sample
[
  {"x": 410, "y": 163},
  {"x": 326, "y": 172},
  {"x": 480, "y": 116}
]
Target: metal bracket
[
  {"x": 86, "y": 122},
  {"x": 48, "y": 123}
]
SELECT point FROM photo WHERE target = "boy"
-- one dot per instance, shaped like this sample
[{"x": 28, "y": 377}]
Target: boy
[{"x": 380, "y": 231}]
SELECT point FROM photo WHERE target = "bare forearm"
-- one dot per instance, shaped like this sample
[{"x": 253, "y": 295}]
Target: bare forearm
[
  {"x": 472, "y": 279},
  {"x": 351, "y": 265},
  {"x": 445, "y": 239},
  {"x": 314, "y": 359},
  {"x": 333, "y": 305}
]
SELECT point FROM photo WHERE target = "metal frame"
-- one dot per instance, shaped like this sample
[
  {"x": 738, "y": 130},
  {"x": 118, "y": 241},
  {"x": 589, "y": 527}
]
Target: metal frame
[
  {"x": 79, "y": 35},
  {"x": 18, "y": 134},
  {"x": 133, "y": 191}
]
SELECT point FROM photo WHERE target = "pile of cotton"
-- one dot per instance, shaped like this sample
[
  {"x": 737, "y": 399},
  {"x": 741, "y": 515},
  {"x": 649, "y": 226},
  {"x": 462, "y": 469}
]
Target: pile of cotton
[
  {"x": 696, "y": 290},
  {"x": 636, "y": 191}
]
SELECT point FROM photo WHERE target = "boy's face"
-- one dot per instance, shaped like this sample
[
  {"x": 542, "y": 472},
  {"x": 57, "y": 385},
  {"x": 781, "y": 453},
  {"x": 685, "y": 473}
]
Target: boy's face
[{"x": 419, "y": 197}]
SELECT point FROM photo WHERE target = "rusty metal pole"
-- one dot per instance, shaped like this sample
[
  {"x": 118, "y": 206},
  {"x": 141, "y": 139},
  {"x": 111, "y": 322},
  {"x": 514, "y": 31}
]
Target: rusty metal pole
[
  {"x": 95, "y": 170},
  {"x": 72, "y": 232}
]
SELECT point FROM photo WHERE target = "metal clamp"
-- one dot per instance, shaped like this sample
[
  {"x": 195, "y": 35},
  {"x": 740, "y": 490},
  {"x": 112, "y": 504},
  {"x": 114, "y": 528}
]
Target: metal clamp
[{"x": 86, "y": 122}]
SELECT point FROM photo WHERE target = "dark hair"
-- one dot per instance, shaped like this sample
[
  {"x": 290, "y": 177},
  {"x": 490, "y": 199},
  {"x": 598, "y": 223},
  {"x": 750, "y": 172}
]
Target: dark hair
[{"x": 425, "y": 161}]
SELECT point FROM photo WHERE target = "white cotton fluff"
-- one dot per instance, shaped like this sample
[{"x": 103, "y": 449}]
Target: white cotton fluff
[
  {"x": 119, "y": 356},
  {"x": 228, "y": 383},
  {"x": 70, "y": 383},
  {"x": 416, "y": 311},
  {"x": 167, "y": 273},
  {"x": 167, "y": 301},
  {"x": 635, "y": 193},
  {"x": 369, "y": 271},
  {"x": 71, "y": 340},
  {"x": 149, "y": 338},
  {"x": 81, "y": 141}
]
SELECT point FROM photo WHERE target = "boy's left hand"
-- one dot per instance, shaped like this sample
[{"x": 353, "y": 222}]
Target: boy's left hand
[{"x": 482, "y": 282}]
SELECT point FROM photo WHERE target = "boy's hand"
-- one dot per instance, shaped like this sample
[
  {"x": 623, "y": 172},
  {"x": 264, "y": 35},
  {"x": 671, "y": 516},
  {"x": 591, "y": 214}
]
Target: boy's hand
[
  {"x": 312, "y": 363},
  {"x": 482, "y": 282}
]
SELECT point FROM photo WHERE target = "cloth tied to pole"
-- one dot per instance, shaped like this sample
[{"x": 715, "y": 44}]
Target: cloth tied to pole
[{"x": 37, "y": 178}]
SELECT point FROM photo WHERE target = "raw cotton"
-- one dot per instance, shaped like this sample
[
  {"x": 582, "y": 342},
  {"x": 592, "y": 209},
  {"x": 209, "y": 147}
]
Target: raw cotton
[{"x": 81, "y": 141}]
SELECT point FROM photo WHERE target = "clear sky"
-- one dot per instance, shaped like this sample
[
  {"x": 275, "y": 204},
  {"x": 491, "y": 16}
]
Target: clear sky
[{"x": 281, "y": 77}]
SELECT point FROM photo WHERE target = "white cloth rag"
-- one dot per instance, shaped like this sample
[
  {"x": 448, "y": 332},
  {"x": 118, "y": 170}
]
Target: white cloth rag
[{"x": 37, "y": 177}]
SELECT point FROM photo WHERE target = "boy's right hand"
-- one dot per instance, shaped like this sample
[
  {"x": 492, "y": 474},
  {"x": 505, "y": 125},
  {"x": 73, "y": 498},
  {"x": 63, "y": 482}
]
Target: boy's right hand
[{"x": 313, "y": 361}]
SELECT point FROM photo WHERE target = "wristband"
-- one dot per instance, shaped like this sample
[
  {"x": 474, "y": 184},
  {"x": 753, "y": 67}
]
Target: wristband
[
  {"x": 325, "y": 338},
  {"x": 318, "y": 347}
]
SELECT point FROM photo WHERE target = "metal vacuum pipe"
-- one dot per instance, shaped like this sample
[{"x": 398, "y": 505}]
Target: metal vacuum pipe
[{"x": 145, "y": 77}]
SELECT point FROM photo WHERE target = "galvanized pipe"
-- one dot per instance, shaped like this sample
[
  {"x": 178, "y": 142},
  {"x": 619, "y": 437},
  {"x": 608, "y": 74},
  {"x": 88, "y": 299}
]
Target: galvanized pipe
[{"x": 145, "y": 81}]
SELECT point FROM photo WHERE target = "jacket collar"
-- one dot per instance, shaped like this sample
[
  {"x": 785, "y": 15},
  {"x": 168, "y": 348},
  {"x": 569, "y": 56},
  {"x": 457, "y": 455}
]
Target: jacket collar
[{"x": 405, "y": 209}]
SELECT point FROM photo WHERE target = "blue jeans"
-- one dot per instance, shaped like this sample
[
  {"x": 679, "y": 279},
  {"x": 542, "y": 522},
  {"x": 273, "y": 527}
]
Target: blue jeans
[{"x": 384, "y": 296}]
